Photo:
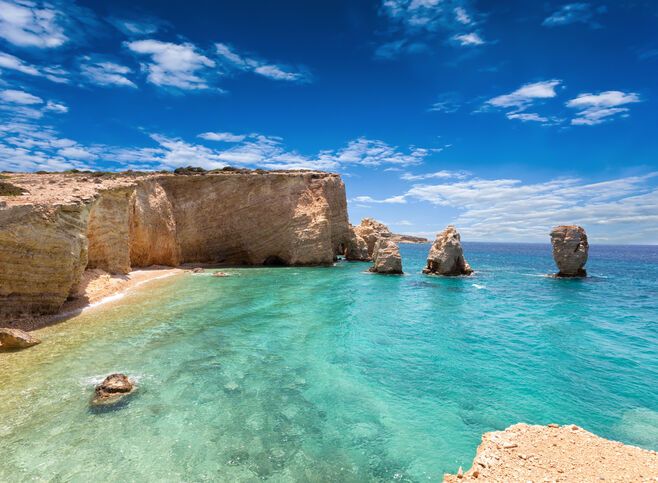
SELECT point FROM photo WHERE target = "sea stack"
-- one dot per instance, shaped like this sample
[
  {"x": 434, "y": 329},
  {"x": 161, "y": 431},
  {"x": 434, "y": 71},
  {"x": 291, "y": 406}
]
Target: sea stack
[
  {"x": 386, "y": 257},
  {"x": 357, "y": 248},
  {"x": 371, "y": 230},
  {"x": 446, "y": 257},
  {"x": 570, "y": 249}
]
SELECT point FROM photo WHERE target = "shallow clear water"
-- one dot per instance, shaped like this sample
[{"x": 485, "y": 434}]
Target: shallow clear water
[{"x": 335, "y": 374}]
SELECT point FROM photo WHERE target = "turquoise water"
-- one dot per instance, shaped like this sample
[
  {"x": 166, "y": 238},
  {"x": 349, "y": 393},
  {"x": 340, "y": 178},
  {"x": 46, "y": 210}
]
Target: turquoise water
[{"x": 336, "y": 374}]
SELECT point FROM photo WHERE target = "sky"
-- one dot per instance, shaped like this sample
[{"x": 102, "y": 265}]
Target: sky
[{"x": 502, "y": 118}]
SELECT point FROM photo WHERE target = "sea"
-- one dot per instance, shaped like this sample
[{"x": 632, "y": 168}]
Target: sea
[{"x": 337, "y": 374}]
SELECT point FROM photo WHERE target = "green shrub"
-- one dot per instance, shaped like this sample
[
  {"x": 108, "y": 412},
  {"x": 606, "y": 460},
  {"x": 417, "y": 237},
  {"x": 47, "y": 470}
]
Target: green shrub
[{"x": 8, "y": 189}]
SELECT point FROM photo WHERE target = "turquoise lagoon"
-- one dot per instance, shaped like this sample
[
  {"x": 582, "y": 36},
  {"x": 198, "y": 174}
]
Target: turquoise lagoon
[{"x": 335, "y": 374}]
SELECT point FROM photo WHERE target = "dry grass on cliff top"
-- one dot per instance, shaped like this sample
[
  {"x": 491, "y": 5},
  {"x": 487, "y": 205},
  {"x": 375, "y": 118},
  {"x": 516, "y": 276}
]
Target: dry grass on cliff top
[{"x": 43, "y": 188}]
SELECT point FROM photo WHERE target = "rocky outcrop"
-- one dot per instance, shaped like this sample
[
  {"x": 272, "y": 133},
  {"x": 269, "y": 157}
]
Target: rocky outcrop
[
  {"x": 69, "y": 222},
  {"x": 397, "y": 238},
  {"x": 113, "y": 388},
  {"x": 386, "y": 257},
  {"x": 552, "y": 453},
  {"x": 16, "y": 339},
  {"x": 570, "y": 250},
  {"x": 357, "y": 248},
  {"x": 446, "y": 257},
  {"x": 371, "y": 230}
]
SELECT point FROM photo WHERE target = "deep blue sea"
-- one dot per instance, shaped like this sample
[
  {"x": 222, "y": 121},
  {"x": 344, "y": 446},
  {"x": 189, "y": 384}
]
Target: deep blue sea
[{"x": 337, "y": 374}]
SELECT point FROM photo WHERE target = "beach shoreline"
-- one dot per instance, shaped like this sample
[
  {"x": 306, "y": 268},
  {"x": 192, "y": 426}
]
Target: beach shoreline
[{"x": 96, "y": 289}]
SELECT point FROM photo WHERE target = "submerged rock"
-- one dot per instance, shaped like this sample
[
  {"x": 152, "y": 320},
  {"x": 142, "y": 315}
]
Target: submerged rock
[
  {"x": 220, "y": 274},
  {"x": 197, "y": 270},
  {"x": 113, "y": 388},
  {"x": 446, "y": 257},
  {"x": 16, "y": 339},
  {"x": 386, "y": 257},
  {"x": 570, "y": 250},
  {"x": 357, "y": 248}
]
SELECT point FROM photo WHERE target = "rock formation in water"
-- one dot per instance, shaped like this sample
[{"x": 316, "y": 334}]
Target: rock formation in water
[
  {"x": 16, "y": 339},
  {"x": 357, "y": 248},
  {"x": 371, "y": 230},
  {"x": 386, "y": 257},
  {"x": 66, "y": 223},
  {"x": 398, "y": 238},
  {"x": 113, "y": 388},
  {"x": 556, "y": 453},
  {"x": 446, "y": 256},
  {"x": 570, "y": 249}
]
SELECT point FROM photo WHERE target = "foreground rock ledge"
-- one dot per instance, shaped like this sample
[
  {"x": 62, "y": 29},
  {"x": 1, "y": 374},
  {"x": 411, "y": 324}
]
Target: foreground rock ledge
[
  {"x": 552, "y": 453},
  {"x": 570, "y": 250},
  {"x": 11, "y": 339}
]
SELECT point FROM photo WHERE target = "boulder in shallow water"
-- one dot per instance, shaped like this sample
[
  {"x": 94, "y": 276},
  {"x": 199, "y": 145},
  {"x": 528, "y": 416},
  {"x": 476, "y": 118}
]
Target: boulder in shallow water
[
  {"x": 113, "y": 388},
  {"x": 570, "y": 250},
  {"x": 446, "y": 257},
  {"x": 16, "y": 339},
  {"x": 386, "y": 257},
  {"x": 220, "y": 274}
]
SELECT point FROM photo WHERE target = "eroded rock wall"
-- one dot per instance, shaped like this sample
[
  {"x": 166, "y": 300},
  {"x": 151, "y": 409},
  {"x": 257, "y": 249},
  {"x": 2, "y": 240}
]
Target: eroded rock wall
[{"x": 291, "y": 218}]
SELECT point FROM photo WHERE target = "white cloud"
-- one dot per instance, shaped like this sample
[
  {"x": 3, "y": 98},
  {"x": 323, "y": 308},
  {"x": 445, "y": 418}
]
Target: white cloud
[
  {"x": 369, "y": 152},
  {"x": 226, "y": 137},
  {"x": 75, "y": 152},
  {"x": 8, "y": 61},
  {"x": 392, "y": 200},
  {"x": 57, "y": 107},
  {"x": 527, "y": 117},
  {"x": 173, "y": 65},
  {"x": 13, "y": 96},
  {"x": 11, "y": 62},
  {"x": 508, "y": 209},
  {"x": 105, "y": 73},
  {"x": 526, "y": 94},
  {"x": 137, "y": 28},
  {"x": 574, "y": 13},
  {"x": 595, "y": 109},
  {"x": 462, "y": 16},
  {"x": 469, "y": 39},
  {"x": 25, "y": 24},
  {"x": 443, "y": 174},
  {"x": 447, "y": 102},
  {"x": 233, "y": 59}
]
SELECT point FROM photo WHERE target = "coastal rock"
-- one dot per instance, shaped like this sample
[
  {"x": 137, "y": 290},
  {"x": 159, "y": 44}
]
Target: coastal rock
[
  {"x": 357, "y": 248},
  {"x": 570, "y": 250},
  {"x": 386, "y": 257},
  {"x": 66, "y": 223},
  {"x": 16, "y": 339},
  {"x": 550, "y": 453},
  {"x": 397, "y": 238},
  {"x": 113, "y": 388},
  {"x": 371, "y": 230},
  {"x": 446, "y": 257}
]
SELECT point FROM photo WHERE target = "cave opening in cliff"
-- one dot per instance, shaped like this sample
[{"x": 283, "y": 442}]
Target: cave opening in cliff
[{"x": 275, "y": 261}]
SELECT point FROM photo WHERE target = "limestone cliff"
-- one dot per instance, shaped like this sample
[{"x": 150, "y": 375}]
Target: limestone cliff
[{"x": 67, "y": 223}]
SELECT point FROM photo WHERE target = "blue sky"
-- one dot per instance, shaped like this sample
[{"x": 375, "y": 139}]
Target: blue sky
[{"x": 504, "y": 118}]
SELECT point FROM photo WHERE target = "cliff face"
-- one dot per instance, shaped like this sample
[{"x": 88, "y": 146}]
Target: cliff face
[{"x": 67, "y": 223}]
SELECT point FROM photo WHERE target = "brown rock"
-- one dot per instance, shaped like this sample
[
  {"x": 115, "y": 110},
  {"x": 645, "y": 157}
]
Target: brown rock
[
  {"x": 570, "y": 250},
  {"x": 558, "y": 454},
  {"x": 16, "y": 339},
  {"x": 446, "y": 257},
  {"x": 372, "y": 230},
  {"x": 386, "y": 257},
  {"x": 357, "y": 248},
  {"x": 67, "y": 223},
  {"x": 220, "y": 274},
  {"x": 113, "y": 388}
]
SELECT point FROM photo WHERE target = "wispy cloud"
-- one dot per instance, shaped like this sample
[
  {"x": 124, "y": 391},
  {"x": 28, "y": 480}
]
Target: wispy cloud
[
  {"x": 180, "y": 66},
  {"x": 105, "y": 73},
  {"x": 448, "y": 102},
  {"x": 575, "y": 13},
  {"x": 595, "y": 109},
  {"x": 392, "y": 200},
  {"x": 137, "y": 27},
  {"x": 11, "y": 62},
  {"x": 13, "y": 96},
  {"x": 517, "y": 102},
  {"x": 226, "y": 137},
  {"x": 415, "y": 23},
  {"x": 469, "y": 39},
  {"x": 25, "y": 24},
  {"x": 509, "y": 209},
  {"x": 234, "y": 60},
  {"x": 443, "y": 174}
]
